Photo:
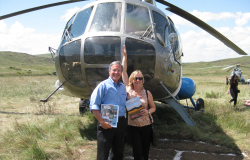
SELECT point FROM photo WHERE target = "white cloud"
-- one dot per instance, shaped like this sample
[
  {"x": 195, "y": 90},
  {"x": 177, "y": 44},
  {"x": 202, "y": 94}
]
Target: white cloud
[
  {"x": 201, "y": 46},
  {"x": 69, "y": 14},
  {"x": 204, "y": 16},
  {"x": 208, "y": 16},
  {"x": 242, "y": 18},
  {"x": 198, "y": 45},
  {"x": 20, "y": 39},
  {"x": 3, "y": 27}
]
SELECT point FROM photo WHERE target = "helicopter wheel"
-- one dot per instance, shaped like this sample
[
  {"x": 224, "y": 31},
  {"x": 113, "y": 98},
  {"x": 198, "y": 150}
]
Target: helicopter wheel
[
  {"x": 200, "y": 104},
  {"x": 83, "y": 105}
]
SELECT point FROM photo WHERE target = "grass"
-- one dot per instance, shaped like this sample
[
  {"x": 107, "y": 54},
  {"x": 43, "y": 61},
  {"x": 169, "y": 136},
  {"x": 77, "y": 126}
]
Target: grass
[{"x": 55, "y": 130}]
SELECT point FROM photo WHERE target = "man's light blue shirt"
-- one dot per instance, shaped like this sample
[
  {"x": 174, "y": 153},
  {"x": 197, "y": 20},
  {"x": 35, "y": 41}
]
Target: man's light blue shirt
[{"x": 108, "y": 92}]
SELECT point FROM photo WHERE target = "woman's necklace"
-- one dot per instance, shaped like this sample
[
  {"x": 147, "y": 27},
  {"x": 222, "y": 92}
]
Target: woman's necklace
[{"x": 138, "y": 94}]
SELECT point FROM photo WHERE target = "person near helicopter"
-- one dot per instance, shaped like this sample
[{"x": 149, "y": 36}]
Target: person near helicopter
[
  {"x": 233, "y": 89},
  {"x": 110, "y": 91},
  {"x": 139, "y": 129}
]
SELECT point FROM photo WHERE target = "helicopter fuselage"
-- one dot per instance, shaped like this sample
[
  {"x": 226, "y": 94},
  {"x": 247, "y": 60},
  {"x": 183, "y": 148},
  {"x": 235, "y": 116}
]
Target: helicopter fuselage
[{"x": 94, "y": 36}]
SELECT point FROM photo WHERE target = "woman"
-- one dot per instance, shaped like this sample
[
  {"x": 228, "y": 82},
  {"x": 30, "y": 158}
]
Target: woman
[
  {"x": 140, "y": 128},
  {"x": 233, "y": 88}
]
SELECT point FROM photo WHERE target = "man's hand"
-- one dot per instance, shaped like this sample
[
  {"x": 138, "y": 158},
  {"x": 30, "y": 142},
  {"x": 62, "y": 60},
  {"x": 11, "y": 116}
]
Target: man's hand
[{"x": 106, "y": 125}]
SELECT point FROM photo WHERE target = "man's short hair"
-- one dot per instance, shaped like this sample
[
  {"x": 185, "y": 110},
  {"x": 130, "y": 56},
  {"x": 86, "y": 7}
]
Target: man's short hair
[{"x": 115, "y": 62}]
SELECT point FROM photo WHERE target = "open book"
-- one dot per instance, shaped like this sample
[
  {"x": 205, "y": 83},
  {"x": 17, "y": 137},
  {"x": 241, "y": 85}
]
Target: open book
[
  {"x": 134, "y": 106},
  {"x": 109, "y": 114}
]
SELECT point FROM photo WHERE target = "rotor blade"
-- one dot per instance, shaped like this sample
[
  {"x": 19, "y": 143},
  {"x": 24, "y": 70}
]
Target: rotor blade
[
  {"x": 228, "y": 67},
  {"x": 202, "y": 25},
  {"x": 37, "y": 8}
]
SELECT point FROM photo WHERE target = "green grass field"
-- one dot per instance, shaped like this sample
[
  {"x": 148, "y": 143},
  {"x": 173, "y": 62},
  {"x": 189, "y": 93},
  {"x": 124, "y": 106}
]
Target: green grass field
[{"x": 55, "y": 130}]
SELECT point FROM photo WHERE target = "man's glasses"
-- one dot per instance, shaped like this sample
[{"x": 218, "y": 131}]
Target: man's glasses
[{"x": 138, "y": 78}]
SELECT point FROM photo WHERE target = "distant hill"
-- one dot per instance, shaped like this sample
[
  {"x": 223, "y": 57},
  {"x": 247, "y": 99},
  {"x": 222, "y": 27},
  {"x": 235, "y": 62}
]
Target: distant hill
[
  {"x": 12, "y": 63},
  {"x": 215, "y": 67},
  {"x": 22, "y": 64},
  {"x": 48, "y": 55},
  {"x": 14, "y": 59}
]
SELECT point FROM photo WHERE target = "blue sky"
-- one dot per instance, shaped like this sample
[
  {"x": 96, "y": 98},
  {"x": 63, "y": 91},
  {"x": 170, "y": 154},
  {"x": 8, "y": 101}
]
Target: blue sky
[{"x": 33, "y": 32}]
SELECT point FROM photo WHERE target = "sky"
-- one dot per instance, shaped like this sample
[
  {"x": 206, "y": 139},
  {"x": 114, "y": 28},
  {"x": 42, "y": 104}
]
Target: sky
[{"x": 34, "y": 32}]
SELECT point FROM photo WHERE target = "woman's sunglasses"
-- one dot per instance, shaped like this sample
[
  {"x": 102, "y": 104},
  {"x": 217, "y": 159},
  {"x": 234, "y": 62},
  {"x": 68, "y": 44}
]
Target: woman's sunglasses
[{"x": 138, "y": 78}]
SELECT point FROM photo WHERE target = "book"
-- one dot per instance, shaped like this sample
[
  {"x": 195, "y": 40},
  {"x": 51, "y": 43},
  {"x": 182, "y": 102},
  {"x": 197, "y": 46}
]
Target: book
[
  {"x": 109, "y": 114},
  {"x": 134, "y": 106}
]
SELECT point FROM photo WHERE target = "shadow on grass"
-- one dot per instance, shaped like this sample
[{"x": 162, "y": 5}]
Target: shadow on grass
[
  {"x": 170, "y": 125},
  {"x": 88, "y": 130}
]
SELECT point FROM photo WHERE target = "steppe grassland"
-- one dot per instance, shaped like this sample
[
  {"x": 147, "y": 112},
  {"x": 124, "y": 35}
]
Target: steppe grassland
[
  {"x": 22, "y": 94},
  {"x": 34, "y": 130},
  {"x": 56, "y": 130},
  {"x": 235, "y": 122}
]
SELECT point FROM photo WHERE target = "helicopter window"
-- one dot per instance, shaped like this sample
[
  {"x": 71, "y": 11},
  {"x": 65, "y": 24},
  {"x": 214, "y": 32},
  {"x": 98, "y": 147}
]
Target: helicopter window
[
  {"x": 102, "y": 50},
  {"x": 173, "y": 30},
  {"x": 141, "y": 56},
  {"x": 161, "y": 24},
  {"x": 96, "y": 75},
  {"x": 64, "y": 40},
  {"x": 69, "y": 57},
  {"x": 68, "y": 24},
  {"x": 137, "y": 20},
  {"x": 107, "y": 17},
  {"x": 80, "y": 22},
  {"x": 167, "y": 41}
]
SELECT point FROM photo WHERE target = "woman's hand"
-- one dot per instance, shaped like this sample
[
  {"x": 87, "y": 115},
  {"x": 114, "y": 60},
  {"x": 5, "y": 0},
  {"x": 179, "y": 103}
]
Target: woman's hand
[
  {"x": 144, "y": 112},
  {"x": 124, "y": 64},
  {"x": 124, "y": 51}
]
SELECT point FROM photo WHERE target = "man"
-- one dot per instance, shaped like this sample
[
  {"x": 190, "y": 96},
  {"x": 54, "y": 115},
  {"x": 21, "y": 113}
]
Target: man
[{"x": 110, "y": 91}]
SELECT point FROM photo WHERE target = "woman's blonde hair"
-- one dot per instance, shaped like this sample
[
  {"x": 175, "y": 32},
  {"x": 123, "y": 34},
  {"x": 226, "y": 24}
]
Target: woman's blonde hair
[{"x": 132, "y": 76}]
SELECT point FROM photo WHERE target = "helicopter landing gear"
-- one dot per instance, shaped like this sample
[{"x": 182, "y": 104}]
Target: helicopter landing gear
[
  {"x": 83, "y": 105},
  {"x": 199, "y": 104}
]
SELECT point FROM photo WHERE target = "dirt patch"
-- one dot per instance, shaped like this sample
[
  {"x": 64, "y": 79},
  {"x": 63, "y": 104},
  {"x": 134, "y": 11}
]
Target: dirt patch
[{"x": 187, "y": 150}]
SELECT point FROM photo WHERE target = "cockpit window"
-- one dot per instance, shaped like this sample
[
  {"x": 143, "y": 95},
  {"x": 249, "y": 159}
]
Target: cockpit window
[
  {"x": 173, "y": 30},
  {"x": 80, "y": 22},
  {"x": 102, "y": 50},
  {"x": 107, "y": 17},
  {"x": 64, "y": 37},
  {"x": 69, "y": 58},
  {"x": 141, "y": 56},
  {"x": 161, "y": 24},
  {"x": 138, "y": 21}
]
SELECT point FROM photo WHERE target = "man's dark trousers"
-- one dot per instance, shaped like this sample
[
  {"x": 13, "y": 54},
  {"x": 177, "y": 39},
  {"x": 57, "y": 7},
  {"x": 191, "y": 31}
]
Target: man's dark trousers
[{"x": 114, "y": 137}]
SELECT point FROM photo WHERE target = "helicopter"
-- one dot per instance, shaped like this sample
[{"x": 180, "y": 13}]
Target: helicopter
[
  {"x": 236, "y": 71},
  {"x": 94, "y": 36}
]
